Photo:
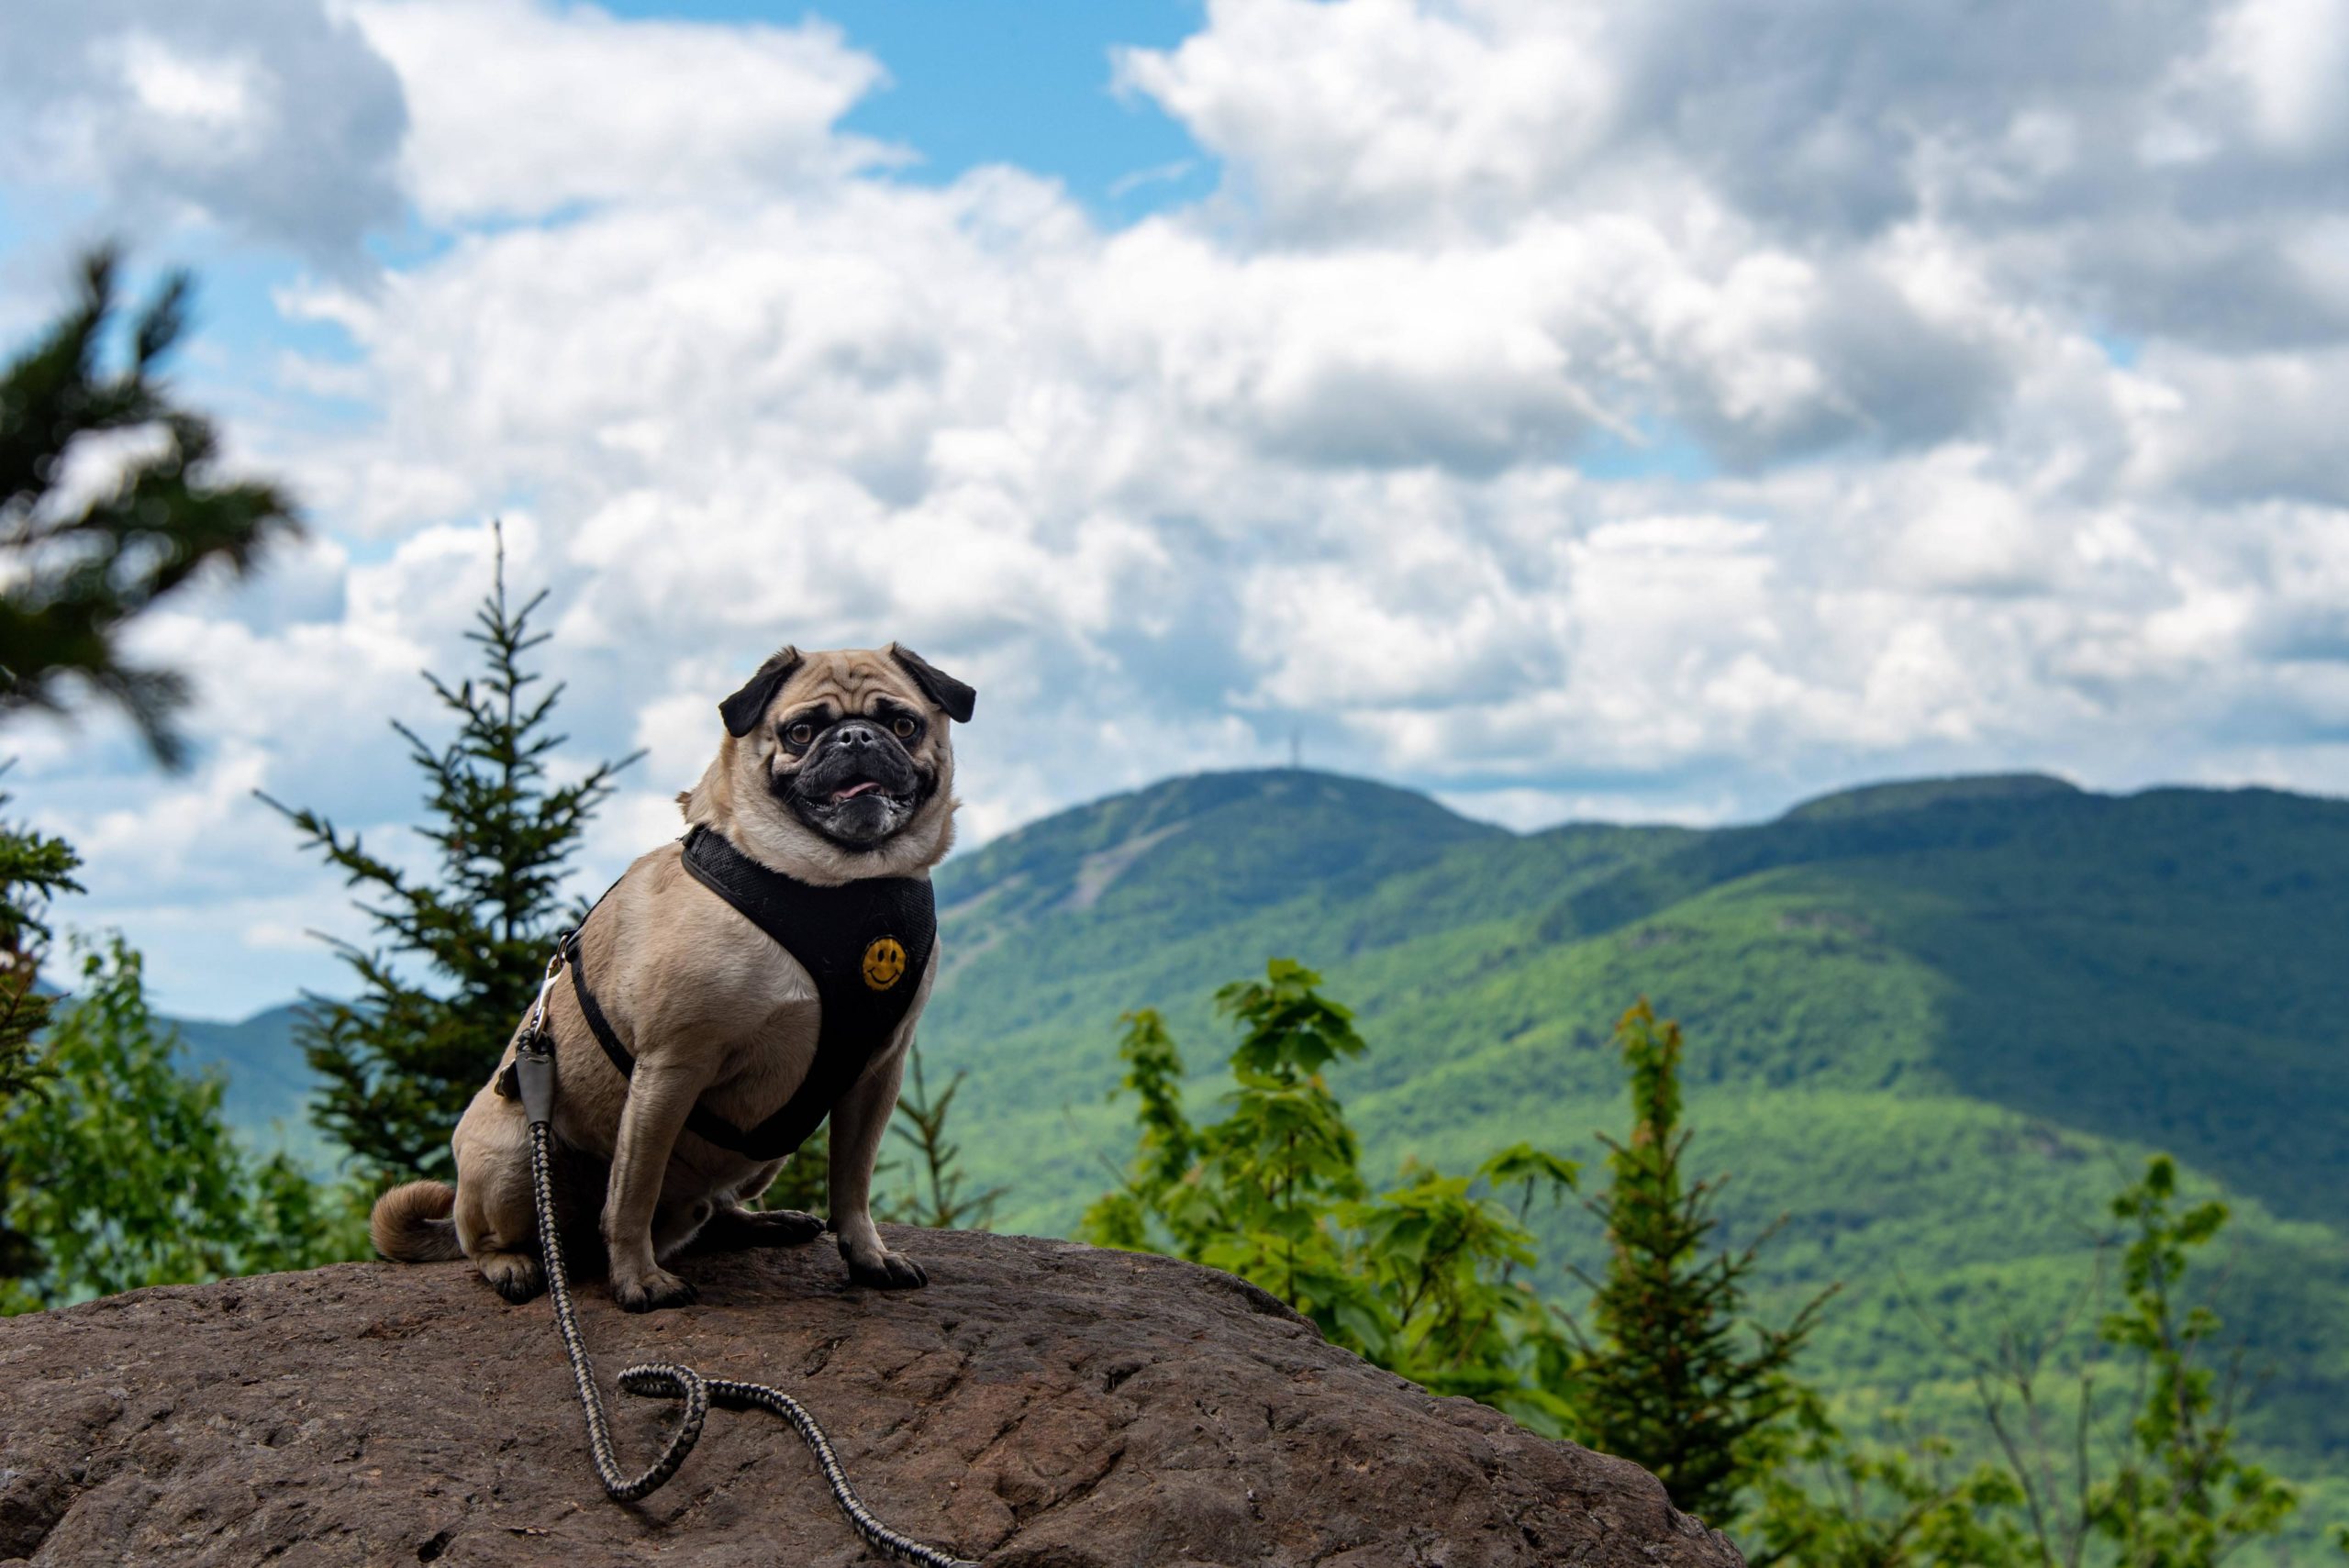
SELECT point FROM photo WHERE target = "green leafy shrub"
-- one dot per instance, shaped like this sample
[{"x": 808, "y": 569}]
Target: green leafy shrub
[
  {"x": 1429, "y": 1279},
  {"x": 2161, "y": 1486},
  {"x": 140, "y": 1183},
  {"x": 80, "y": 568}
]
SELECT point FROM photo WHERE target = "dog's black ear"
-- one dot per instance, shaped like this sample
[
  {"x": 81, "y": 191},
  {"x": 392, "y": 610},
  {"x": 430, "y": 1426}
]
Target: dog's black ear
[
  {"x": 939, "y": 687},
  {"x": 741, "y": 710}
]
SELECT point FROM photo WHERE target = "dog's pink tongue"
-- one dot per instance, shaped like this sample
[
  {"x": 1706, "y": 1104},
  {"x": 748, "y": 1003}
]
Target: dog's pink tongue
[{"x": 854, "y": 790}]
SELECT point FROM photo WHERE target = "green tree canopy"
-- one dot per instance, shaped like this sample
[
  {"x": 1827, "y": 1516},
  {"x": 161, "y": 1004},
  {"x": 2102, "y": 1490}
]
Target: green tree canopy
[
  {"x": 88, "y": 550},
  {"x": 107, "y": 504},
  {"x": 140, "y": 1181},
  {"x": 2180, "y": 1496}
]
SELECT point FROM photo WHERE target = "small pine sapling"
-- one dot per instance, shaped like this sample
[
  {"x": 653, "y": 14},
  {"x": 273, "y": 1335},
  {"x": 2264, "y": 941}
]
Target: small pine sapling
[
  {"x": 401, "y": 1061},
  {"x": 938, "y": 1202},
  {"x": 1671, "y": 1371}
]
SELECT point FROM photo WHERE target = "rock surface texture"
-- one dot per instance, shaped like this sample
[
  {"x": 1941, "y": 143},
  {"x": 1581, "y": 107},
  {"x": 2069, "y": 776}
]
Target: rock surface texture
[{"x": 1039, "y": 1403}]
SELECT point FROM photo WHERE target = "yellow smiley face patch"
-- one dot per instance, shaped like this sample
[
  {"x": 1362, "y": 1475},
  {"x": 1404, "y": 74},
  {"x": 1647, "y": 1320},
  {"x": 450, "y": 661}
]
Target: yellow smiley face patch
[{"x": 884, "y": 962}]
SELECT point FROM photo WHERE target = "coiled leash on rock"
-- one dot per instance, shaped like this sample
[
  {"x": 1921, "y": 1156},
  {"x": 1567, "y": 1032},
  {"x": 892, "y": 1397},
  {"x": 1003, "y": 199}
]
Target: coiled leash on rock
[{"x": 534, "y": 1072}]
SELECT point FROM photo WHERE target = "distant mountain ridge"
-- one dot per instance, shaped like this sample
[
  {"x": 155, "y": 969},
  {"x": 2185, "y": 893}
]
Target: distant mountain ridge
[
  {"x": 1951, "y": 872},
  {"x": 269, "y": 1084},
  {"x": 1911, "y": 795}
]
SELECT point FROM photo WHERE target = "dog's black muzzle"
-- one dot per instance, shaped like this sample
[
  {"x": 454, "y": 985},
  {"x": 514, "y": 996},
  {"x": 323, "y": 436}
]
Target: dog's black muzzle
[{"x": 857, "y": 785}]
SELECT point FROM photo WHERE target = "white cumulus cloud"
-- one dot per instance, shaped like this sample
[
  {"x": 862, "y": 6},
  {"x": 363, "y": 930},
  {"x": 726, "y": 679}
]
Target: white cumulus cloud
[
  {"x": 518, "y": 109},
  {"x": 1661, "y": 411}
]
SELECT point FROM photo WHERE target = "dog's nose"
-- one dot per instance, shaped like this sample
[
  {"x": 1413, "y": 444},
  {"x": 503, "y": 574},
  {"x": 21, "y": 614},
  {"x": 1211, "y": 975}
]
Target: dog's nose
[{"x": 855, "y": 736}]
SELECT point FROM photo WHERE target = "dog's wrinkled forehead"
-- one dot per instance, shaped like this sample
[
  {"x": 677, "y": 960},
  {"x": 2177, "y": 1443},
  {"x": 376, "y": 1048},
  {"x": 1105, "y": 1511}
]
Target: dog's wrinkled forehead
[
  {"x": 849, "y": 681},
  {"x": 854, "y": 679}
]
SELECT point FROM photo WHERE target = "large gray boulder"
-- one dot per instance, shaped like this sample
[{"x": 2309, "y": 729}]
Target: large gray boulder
[{"x": 1041, "y": 1403}]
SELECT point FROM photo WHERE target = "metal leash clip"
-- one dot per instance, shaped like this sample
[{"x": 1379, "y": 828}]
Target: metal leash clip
[{"x": 530, "y": 1076}]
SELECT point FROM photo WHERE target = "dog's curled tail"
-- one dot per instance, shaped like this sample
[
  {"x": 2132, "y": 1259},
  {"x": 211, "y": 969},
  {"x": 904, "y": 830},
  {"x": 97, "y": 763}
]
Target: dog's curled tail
[{"x": 410, "y": 1224}]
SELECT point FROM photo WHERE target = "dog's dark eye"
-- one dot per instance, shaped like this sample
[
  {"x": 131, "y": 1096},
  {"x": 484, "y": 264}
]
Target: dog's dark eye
[
  {"x": 800, "y": 734},
  {"x": 904, "y": 726}
]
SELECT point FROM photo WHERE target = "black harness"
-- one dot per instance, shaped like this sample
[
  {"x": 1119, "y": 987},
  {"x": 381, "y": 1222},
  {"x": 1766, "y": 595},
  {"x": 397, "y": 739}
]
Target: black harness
[{"x": 866, "y": 943}]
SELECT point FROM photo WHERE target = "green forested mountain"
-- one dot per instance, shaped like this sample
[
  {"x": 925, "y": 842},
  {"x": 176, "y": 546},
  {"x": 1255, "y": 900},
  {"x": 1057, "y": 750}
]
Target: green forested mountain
[
  {"x": 269, "y": 1084},
  {"x": 1934, "y": 1023},
  {"x": 268, "y": 1080}
]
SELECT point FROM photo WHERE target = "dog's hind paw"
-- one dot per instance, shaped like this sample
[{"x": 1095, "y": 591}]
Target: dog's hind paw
[
  {"x": 653, "y": 1292},
  {"x": 894, "y": 1272},
  {"x": 513, "y": 1275},
  {"x": 737, "y": 1229}
]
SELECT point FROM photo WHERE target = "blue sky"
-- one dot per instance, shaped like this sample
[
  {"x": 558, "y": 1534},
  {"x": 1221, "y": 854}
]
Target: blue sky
[
  {"x": 1570, "y": 409},
  {"x": 1029, "y": 85}
]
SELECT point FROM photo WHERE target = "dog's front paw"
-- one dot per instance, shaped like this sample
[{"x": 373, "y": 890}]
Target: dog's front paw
[
  {"x": 883, "y": 1269},
  {"x": 652, "y": 1291}
]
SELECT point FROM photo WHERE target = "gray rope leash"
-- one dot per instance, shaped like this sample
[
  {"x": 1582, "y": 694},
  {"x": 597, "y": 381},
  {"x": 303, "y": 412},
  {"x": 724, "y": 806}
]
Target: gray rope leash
[{"x": 534, "y": 1068}]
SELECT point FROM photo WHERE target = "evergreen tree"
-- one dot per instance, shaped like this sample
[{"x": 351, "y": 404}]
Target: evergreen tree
[
  {"x": 1664, "y": 1377},
  {"x": 79, "y": 566},
  {"x": 401, "y": 1061},
  {"x": 804, "y": 1182},
  {"x": 34, "y": 868},
  {"x": 1427, "y": 1280}
]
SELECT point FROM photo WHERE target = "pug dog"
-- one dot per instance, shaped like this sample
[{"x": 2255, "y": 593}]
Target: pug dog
[{"x": 833, "y": 767}]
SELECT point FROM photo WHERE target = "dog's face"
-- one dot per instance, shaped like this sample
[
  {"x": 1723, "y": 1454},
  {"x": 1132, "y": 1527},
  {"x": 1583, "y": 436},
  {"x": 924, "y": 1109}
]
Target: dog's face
[{"x": 843, "y": 762}]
